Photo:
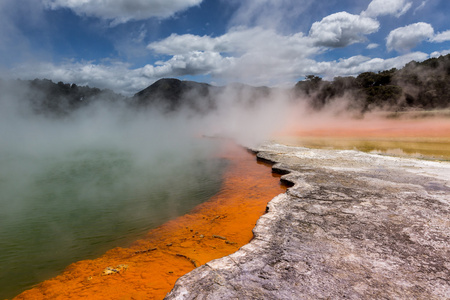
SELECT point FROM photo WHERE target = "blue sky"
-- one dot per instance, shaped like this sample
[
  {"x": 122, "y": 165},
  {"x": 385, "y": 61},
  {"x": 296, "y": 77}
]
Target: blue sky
[{"x": 125, "y": 45}]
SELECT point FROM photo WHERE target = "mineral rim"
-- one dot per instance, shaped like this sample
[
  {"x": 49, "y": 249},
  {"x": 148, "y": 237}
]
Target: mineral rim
[{"x": 353, "y": 225}]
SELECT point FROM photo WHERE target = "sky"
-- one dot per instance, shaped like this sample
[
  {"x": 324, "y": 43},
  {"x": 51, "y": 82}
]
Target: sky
[{"x": 126, "y": 45}]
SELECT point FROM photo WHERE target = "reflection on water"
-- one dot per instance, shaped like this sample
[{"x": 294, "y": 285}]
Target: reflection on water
[
  {"x": 435, "y": 148},
  {"x": 57, "y": 210}
]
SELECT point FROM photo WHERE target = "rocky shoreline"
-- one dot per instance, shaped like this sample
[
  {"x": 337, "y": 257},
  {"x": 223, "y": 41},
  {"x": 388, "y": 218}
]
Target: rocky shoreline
[{"x": 353, "y": 225}]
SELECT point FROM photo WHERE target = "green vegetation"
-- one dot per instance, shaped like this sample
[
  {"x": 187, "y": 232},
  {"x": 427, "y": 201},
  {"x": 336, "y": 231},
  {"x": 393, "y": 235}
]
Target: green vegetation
[{"x": 418, "y": 86}]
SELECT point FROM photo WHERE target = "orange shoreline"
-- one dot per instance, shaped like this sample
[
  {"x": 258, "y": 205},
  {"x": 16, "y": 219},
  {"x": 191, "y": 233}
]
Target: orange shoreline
[{"x": 149, "y": 268}]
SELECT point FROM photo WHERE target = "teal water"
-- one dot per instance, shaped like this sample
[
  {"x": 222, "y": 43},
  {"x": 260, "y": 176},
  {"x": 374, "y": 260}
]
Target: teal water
[{"x": 59, "y": 208}]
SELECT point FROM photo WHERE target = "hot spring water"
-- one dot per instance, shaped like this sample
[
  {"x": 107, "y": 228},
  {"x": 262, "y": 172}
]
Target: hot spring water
[{"x": 60, "y": 208}]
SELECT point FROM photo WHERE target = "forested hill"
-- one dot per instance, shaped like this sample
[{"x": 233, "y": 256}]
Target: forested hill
[
  {"x": 419, "y": 85},
  {"x": 45, "y": 97}
]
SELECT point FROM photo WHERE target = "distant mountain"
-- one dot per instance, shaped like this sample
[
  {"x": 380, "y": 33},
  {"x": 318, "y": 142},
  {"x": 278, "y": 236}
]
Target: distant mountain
[{"x": 170, "y": 94}]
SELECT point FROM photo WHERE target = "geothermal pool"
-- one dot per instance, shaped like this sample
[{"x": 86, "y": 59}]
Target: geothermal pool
[
  {"x": 66, "y": 199},
  {"x": 61, "y": 207},
  {"x": 214, "y": 229}
]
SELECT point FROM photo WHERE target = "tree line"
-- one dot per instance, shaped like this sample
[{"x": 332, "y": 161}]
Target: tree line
[{"x": 418, "y": 85}]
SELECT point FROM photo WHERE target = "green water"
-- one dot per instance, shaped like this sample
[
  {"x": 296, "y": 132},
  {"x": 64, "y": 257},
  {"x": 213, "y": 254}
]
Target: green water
[{"x": 58, "y": 209}]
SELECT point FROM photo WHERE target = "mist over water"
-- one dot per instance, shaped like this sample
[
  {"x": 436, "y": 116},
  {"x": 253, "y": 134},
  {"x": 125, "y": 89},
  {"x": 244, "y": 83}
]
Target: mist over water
[{"x": 74, "y": 187}]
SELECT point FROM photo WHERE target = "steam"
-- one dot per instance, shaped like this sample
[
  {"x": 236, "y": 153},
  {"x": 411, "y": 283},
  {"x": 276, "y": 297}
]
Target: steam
[
  {"x": 108, "y": 170},
  {"x": 248, "y": 118},
  {"x": 114, "y": 149},
  {"x": 99, "y": 176}
]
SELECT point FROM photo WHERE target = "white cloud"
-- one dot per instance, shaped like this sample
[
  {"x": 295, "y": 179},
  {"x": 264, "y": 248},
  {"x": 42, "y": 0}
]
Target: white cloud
[
  {"x": 372, "y": 46},
  {"x": 342, "y": 29},
  {"x": 121, "y": 11},
  {"x": 255, "y": 54},
  {"x": 179, "y": 44},
  {"x": 439, "y": 53},
  {"x": 352, "y": 62},
  {"x": 441, "y": 37},
  {"x": 421, "y": 6},
  {"x": 190, "y": 63},
  {"x": 237, "y": 41},
  {"x": 358, "y": 64},
  {"x": 405, "y": 38},
  {"x": 270, "y": 14},
  {"x": 387, "y": 7}
]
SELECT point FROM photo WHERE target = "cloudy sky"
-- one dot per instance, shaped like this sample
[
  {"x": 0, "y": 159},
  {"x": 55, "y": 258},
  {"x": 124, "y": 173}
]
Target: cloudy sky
[{"x": 126, "y": 45}]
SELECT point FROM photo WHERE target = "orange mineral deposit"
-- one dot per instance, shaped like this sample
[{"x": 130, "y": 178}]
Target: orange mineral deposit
[{"x": 149, "y": 268}]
